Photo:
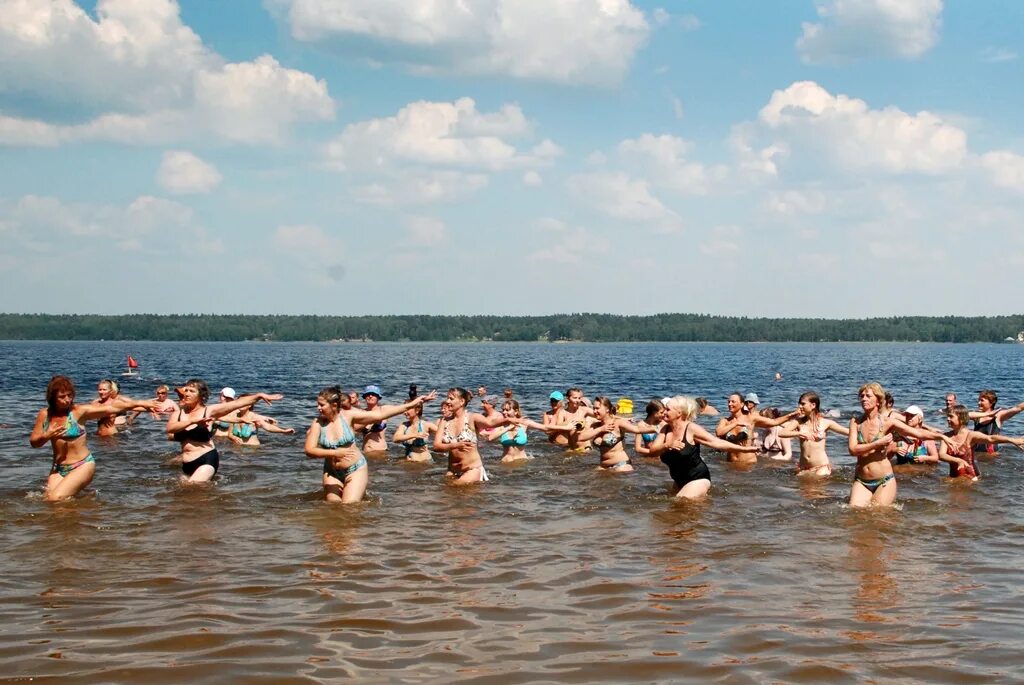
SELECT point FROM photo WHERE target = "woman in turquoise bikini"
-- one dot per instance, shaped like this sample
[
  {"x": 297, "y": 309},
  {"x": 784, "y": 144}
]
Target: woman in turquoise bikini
[
  {"x": 413, "y": 435},
  {"x": 245, "y": 425},
  {"x": 644, "y": 443},
  {"x": 60, "y": 424},
  {"x": 608, "y": 431},
  {"x": 870, "y": 436},
  {"x": 330, "y": 437}
]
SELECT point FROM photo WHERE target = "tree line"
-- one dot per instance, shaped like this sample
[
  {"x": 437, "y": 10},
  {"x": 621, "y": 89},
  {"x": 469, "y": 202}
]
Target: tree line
[{"x": 553, "y": 328}]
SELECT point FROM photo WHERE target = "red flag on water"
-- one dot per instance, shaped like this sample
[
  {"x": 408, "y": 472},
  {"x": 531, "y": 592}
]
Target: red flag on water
[{"x": 132, "y": 364}]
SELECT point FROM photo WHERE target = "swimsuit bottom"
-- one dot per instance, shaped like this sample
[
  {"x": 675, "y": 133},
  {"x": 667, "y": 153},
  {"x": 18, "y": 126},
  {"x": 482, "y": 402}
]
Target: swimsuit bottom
[
  {"x": 682, "y": 476},
  {"x": 483, "y": 473},
  {"x": 64, "y": 470},
  {"x": 210, "y": 458},
  {"x": 873, "y": 485},
  {"x": 345, "y": 472},
  {"x": 617, "y": 466}
]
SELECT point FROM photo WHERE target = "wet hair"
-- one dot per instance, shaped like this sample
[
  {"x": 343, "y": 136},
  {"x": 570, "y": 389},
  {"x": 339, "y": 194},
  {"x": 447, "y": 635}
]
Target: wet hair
[
  {"x": 333, "y": 395},
  {"x": 889, "y": 401},
  {"x": 465, "y": 395},
  {"x": 701, "y": 403},
  {"x": 507, "y": 392},
  {"x": 571, "y": 391},
  {"x": 163, "y": 388},
  {"x": 606, "y": 403},
  {"x": 418, "y": 409},
  {"x": 875, "y": 389},
  {"x": 513, "y": 405},
  {"x": 813, "y": 398},
  {"x": 989, "y": 395},
  {"x": 57, "y": 385},
  {"x": 771, "y": 412},
  {"x": 686, "y": 406},
  {"x": 200, "y": 385},
  {"x": 961, "y": 412},
  {"x": 654, "y": 406},
  {"x": 737, "y": 394}
]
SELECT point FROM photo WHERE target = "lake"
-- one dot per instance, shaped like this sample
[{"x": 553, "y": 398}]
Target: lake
[{"x": 552, "y": 572}]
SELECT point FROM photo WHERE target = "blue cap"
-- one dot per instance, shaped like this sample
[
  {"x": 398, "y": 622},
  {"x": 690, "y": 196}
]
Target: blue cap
[
  {"x": 557, "y": 396},
  {"x": 372, "y": 390}
]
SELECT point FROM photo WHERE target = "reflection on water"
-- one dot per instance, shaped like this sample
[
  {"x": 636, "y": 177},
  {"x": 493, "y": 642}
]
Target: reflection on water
[{"x": 551, "y": 572}]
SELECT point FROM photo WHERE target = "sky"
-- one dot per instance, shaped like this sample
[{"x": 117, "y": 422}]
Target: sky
[{"x": 838, "y": 158}]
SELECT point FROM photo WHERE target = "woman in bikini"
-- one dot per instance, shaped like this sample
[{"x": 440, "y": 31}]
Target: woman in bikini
[
  {"x": 911, "y": 450},
  {"x": 457, "y": 436},
  {"x": 414, "y": 433},
  {"x": 192, "y": 426},
  {"x": 871, "y": 433},
  {"x": 607, "y": 432},
  {"x": 245, "y": 424},
  {"x": 644, "y": 441},
  {"x": 811, "y": 429},
  {"x": 678, "y": 444},
  {"x": 738, "y": 427},
  {"x": 959, "y": 454},
  {"x": 61, "y": 424},
  {"x": 375, "y": 439},
  {"x": 512, "y": 433},
  {"x": 330, "y": 437}
]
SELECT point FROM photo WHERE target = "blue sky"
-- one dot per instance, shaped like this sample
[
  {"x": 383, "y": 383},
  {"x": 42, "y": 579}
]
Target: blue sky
[{"x": 839, "y": 158}]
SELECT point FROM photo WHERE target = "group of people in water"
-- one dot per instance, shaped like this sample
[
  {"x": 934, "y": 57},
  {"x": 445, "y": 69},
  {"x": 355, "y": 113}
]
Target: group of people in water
[{"x": 350, "y": 426}]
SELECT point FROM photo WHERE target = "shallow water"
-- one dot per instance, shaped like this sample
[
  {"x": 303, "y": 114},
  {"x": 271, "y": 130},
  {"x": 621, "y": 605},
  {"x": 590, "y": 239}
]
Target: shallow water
[{"x": 551, "y": 572}]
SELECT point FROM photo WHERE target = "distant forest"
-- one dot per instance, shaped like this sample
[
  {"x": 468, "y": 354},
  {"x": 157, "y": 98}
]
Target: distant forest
[{"x": 554, "y": 328}]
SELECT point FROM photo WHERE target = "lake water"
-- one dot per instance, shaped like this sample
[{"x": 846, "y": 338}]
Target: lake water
[{"x": 552, "y": 572}]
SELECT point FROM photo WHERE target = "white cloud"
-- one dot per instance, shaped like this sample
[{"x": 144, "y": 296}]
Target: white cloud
[
  {"x": 183, "y": 173},
  {"x": 677, "y": 107},
  {"x": 994, "y": 55},
  {"x": 425, "y": 230},
  {"x": 1006, "y": 169},
  {"x": 148, "y": 75},
  {"x": 565, "y": 244},
  {"x": 665, "y": 163},
  {"x": 622, "y": 197},
  {"x": 856, "y": 137},
  {"x": 532, "y": 179},
  {"x": 589, "y": 42},
  {"x": 723, "y": 241},
  {"x": 796, "y": 202},
  {"x": 420, "y": 186},
  {"x": 439, "y": 133},
  {"x": 148, "y": 224},
  {"x": 859, "y": 29},
  {"x": 689, "y": 22},
  {"x": 661, "y": 16}
]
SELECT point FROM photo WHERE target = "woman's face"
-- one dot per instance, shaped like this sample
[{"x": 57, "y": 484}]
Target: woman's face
[
  {"x": 806, "y": 407},
  {"x": 509, "y": 411},
  {"x": 104, "y": 391},
  {"x": 446, "y": 409},
  {"x": 868, "y": 401},
  {"x": 189, "y": 397},
  {"x": 735, "y": 403},
  {"x": 325, "y": 408},
  {"x": 455, "y": 401},
  {"x": 371, "y": 401},
  {"x": 953, "y": 420},
  {"x": 915, "y": 420},
  {"x": 984, "y": 404},
  {"x": 411, "y": 415},
  {"x": 65, "y": 398},
  {"x": 670, "y": 414},
  {"x": 600, "y": 411}
]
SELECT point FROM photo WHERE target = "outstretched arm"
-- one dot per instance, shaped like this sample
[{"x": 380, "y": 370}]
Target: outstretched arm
[
  {"x": 703, "y": 437},
  {"x": 386, "y": 411}
]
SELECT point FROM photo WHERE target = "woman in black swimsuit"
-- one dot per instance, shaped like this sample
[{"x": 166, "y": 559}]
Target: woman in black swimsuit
[
  {"x": 679, "y": 442},
  {"x": 192, "y": 426}
]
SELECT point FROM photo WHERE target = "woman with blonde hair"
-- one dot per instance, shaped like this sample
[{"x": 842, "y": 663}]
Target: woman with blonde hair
[
  {"x": 457, "y": 435},
  {"x": 678, "y": 444},
  {"x": 871, "y": 433}
]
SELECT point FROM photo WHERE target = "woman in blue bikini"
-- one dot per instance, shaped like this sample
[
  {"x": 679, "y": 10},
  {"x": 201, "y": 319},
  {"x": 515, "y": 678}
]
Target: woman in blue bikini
[
  {"x": 330, "y": 437},
  {"x": 645, "y": 441},
  {"x": 607, "y": 431},
  {"x": 512, "y": 434},
  {"x": 61, "y": 424},
  {"x": 871, "y": 433},
  {"x": 413, "y": 434}
]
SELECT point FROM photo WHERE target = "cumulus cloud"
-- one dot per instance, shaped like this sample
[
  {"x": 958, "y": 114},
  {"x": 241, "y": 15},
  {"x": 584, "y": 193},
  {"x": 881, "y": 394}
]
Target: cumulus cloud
[
  {"x": 147, "y": 224},
  {"x": 590, "y": 42},
  {"x": 420, "y": 186},
  {"x": 532, "y": 179},
  {"x": 850, "y": 30},
  {"x": 857, "y": 137},
  {"x": 622, "y": 197},
  {"x": 183, "y": 173},
  {"x": 664, "y": 161},
  {"x": 425, "y": 230},
  {"x": 566, "y": 244},
  {"x": 1005, "y": 169},
  {"x": 796, "y": 202},
  {"x": 722, "y": 241},
  {"x": 149, "y": 76}
]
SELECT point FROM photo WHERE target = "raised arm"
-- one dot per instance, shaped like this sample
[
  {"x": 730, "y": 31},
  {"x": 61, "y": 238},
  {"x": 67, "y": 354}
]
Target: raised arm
[
  {"x": 765, "y": 422},
  {"x": 215, "y": 411},
  {"x": 595, "y": 429},
  {"x": 88, "y": 412},
  {"x": 978, "y": 436},
  {"x": 836, "y": 428},
  {"x": 1009, "y": 413},
  {"x": 386, "y": 411},
  {"x": 790, "y": 429},
  {"x": 705, "y": 438}
]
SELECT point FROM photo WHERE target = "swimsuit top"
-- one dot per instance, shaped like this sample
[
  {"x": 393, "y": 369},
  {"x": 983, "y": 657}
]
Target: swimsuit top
[
  {"x": 988, "y": 428},
  {"x": 74, "y": 430},
  {"x": 417, "y": 442},
  {"x": 817, "y": 432},
  {"x": 688, "y": 456},
  {"x": 648, "y": 438},
  {"x": 243, "y": 430},
  {"x": 197, "y": 432},
  {"x": 739, "y": 437},
  {"x": 860, "y": 436},
  {"x": 375, "y": 427},
  {"x": 965, "y": 452},
  {"x": 609, "y": 439},
  {"x": 516, "y": 437},
  {"x": 465, "y": 435},
  {"x": 347, "y": 437}
]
